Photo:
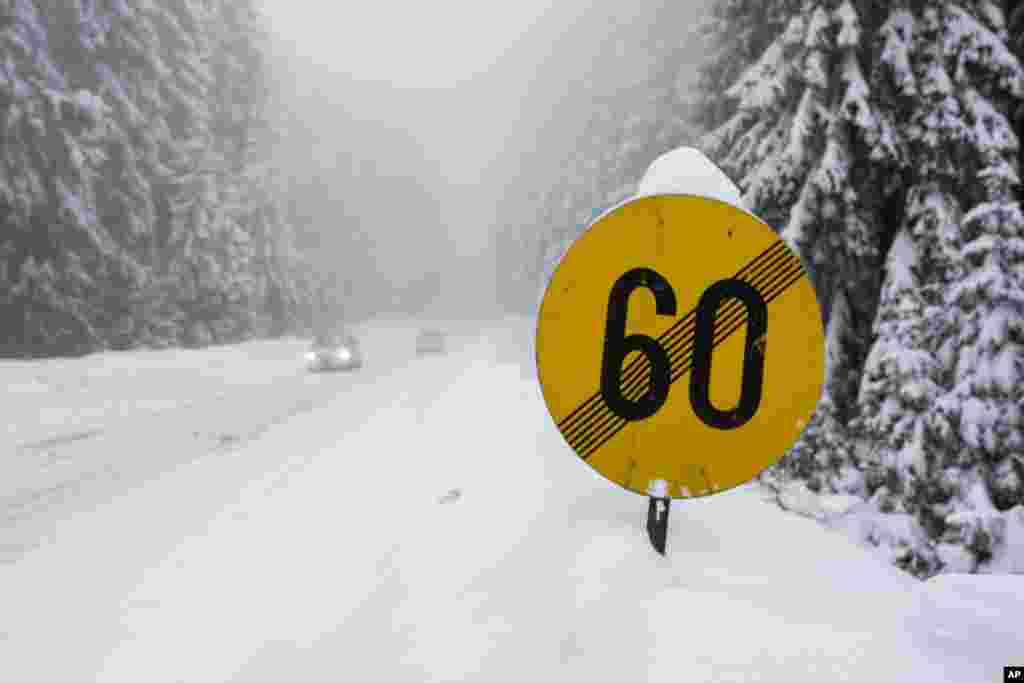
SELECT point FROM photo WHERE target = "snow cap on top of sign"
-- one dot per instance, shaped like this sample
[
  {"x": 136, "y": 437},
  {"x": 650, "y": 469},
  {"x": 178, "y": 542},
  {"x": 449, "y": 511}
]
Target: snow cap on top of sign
[{"x": 685, "y": 170}]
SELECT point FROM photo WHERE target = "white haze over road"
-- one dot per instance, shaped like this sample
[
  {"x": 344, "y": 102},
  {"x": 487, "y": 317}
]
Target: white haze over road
[
  {"x": 422, "y": 520},
  {"x": 469, "y": 87},
  {"x": 407, "y": 44}
]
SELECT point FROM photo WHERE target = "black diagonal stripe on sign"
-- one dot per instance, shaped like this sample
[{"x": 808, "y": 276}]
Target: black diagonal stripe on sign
[
  {"x": 725, "y": 314},
  {"x": 612, "y": 426},
  {"x": 680, "y": 348},
  {"x": 610, "y": 423},
  {"x": 674, "y": 343},
  {"x": 596, "y": 444},
  {"x": 766, "y": 259},
  {"x": 599, "y": 415},
  {"x": 680, "y": 335},
  {"x": 761, "y": 259},
  {"x": 723, "y": 328}
]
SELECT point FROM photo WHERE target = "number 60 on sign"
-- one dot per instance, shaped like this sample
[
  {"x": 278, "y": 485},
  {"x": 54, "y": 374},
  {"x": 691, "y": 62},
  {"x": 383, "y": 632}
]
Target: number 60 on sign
[{"x": 680, "y": 339}]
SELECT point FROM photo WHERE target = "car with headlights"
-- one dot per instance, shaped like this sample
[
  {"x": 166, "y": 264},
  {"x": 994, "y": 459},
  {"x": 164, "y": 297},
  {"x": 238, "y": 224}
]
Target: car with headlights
[
  {"x": 334, "y": 351},
  {"x": 430, "y": 341}
]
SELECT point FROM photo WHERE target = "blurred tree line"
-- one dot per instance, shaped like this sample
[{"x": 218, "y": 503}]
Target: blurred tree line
[
  {"x": 137, "y": 206},
  {"x": 625, "y": 99}
]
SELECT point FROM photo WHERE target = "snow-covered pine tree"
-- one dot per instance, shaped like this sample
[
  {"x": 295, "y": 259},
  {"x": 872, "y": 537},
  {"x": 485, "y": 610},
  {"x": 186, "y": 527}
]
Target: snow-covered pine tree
[
  {"x": 258, "y": 251},
  {"x": 56, "y": 250},
  {"x": 108, "y": 156},
  {"x": 986, "y": 395},
  {"x": 809, "y": 149},
  {"x": 1014, "y": 13},
  {"x": 902, "y": 377},
  {"x": 156, "y": 61},
  {"x": 953, "y": 83},
  {"x": 241, "y": 73},
  {"x": 900, "y": 383},
  {"x": 154, "y": 70},
  {"x": 917, "y": 166},
  {"x": 734, "y": 34},
  {"x": 232, "y": 256}
]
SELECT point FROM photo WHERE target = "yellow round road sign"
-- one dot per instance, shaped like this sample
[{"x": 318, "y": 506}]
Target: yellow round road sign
[{"x": 680, "y": 340}]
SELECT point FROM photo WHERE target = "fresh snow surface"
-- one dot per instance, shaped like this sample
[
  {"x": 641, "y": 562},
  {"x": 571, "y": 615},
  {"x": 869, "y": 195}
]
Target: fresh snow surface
[
  {"x": 686, "y": 170},
  {"x": 422, "y": 520}
]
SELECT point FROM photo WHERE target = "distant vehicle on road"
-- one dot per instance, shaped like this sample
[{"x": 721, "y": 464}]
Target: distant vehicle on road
[
  {"x": 430, "y": 341},
  {"x": 335, "y": 350}
]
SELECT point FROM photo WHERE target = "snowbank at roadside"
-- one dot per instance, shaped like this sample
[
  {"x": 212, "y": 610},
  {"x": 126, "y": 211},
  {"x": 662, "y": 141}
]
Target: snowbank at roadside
[{"x": 537, "y": 570}]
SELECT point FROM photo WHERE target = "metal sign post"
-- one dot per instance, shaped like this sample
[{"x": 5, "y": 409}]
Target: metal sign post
[{"x": 658, "y": 505}]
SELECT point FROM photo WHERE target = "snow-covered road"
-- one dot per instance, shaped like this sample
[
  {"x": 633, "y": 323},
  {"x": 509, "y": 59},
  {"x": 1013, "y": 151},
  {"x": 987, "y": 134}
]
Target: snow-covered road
[{"x": 422, "y": 521}]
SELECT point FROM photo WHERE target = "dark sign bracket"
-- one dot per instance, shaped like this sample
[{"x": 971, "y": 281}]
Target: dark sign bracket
[{"x": 657, "y": 521}]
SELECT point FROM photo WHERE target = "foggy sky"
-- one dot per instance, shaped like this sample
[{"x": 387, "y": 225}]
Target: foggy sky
[{"x": 399, "y": 88}]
